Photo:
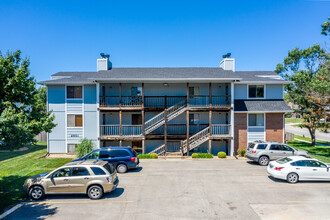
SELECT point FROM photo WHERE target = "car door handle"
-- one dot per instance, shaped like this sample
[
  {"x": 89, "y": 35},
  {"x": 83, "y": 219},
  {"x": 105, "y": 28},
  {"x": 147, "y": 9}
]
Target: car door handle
[
  {"x": 86, "y": 178},
  {"x": 297, "y": 168},
  {"x": 314, "y": 169},
  {"x": 66, "y": 179}
]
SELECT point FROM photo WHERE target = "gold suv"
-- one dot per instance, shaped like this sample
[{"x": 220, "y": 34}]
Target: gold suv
[{"x": 92, "y": 177}]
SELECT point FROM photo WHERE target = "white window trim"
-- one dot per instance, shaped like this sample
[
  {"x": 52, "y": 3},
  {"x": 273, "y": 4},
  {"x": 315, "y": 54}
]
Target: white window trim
[
  {"x": 247, "y": 131},
  {"x": 77, "y": 113},
  {"x": 248, "y": 95}
]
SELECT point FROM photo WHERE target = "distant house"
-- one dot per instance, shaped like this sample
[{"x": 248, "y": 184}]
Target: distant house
[{"x": 166, "y": 109}]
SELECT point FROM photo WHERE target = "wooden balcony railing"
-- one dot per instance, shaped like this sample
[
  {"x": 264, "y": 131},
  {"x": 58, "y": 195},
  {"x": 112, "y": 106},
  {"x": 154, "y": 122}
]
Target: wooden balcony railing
[
  {"x": 126, "y": 130},
  {"x": 164, "y": 101},
  {"x": 220, "y": 129}
]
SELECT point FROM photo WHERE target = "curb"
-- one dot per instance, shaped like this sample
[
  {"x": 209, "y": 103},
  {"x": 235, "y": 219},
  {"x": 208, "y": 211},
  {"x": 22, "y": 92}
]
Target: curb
[{"x": 13, "y": 209}]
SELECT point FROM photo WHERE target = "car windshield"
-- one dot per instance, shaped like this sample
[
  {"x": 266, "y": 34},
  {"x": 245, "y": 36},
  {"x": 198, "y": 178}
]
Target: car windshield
[{"x": 284, "y": 160}]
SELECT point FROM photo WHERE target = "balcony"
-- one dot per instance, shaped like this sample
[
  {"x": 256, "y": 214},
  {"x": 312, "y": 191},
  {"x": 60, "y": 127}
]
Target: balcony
[
  {"x": 161, "y": 102},
  {"x": 135, "y": 131}
]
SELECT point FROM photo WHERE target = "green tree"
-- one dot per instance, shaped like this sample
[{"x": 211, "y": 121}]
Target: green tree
[
  {"x": 84, "y": 147},
  {"x": 23, "y": 111},
  {"x": 308, "y": 69}
]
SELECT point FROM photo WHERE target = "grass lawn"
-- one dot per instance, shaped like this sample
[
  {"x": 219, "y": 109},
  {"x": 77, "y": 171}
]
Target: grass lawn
[
  {"x": 15, "y": 167},
  {"x": 293, "y": 120},
  {"x": 319, "y": 152},
  {"x": 309, "y": 139}
]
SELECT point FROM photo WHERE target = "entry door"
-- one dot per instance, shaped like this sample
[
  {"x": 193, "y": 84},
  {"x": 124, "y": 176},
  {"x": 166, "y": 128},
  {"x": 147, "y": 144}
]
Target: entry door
[
  {"x": 136, "y": 119},
  {"x": 137, "y": 146}
]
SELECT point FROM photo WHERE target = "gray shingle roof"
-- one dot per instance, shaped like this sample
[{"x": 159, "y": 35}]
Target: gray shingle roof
[
  {"x": 175, "y": 74},
  {"x": 261, "y": 105}
]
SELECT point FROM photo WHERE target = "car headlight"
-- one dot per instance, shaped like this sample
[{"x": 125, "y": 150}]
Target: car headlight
[{"x": 27, "y": 182}]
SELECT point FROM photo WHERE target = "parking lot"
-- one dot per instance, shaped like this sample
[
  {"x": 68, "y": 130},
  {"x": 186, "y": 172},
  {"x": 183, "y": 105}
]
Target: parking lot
[{"x": 192, "y": 189}]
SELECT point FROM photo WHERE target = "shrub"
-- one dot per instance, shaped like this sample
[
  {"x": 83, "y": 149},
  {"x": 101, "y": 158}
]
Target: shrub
[
  {"x": 84, "y": 147},
  {"x": 194, "y": 155},
  {"x": 154, "y": 156},
  {"x": 222, "y": 155},
  {"x": 148, "y": 156},
  {"x": 241, "y": 152},
  {"x": 202, "y": 155}
]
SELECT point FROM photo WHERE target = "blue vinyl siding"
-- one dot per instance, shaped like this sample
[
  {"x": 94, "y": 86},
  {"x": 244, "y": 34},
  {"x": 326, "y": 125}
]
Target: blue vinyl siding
[
  {"x": 274, "y": 92},
  {"x": 240, "y": 91}
]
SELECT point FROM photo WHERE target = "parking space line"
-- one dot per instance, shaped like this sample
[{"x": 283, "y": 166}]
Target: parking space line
[
  {"x": 77, "y": 202},
  {"x": 297, "y": 201}
]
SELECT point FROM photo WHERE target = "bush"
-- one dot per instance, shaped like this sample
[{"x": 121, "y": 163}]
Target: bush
[
  {"x": 241, "y": 152},
  {"x": 222, "y": 155},
  {"x": 154, "y": 156},
  {"x": 202, "y": 155},
  {"x": 84, "y": 147},
  {"x": 148, "y": 156}
]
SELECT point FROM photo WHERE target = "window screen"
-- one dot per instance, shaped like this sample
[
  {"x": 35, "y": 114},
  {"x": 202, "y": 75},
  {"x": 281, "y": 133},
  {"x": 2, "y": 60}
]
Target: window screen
[
  {"x": 256, "y": 91},
  {"x": 98, "y": 171},
  {"x": 74, "y": 92},
  {"x": 79, "y": 171},
  {"x": 256, "y": 120}
]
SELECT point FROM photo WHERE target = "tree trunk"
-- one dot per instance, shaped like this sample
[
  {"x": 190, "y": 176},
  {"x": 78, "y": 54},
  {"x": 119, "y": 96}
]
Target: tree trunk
[{"x": 312, "y": 133}]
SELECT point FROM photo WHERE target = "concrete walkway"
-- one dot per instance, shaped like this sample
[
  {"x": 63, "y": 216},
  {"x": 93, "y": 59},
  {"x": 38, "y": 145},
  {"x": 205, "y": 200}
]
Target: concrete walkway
[{"x": 304, "y": 131}]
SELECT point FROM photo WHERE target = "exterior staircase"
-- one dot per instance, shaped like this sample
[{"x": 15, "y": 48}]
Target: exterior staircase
[
  {"x": 159, "y": 150},
  {"x": 170, "y": 113},
  {"x": 196, "y": 139}
]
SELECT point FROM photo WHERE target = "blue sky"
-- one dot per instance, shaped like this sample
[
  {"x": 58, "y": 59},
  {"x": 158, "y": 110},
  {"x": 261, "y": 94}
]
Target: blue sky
[{"x": 69, "y": 35}]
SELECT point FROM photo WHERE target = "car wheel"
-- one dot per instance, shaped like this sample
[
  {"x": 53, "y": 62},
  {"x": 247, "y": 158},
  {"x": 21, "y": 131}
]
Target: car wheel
[
  {"x": 121, "y": 168},
  {"x": 95, "y": 192},
  {"x": 263, "y": 160},
  {"x": 292, "y": 178},
  {"x": 36, "y": 193}
]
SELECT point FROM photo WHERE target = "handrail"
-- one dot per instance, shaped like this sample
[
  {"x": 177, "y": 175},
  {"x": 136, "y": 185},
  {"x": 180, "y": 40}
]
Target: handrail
[
  {"x": 196, "y": 137},
  {"x": 158, "y": 150}
]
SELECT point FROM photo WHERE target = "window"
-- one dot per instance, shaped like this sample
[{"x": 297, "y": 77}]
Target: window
[
  {"x": 256, "y": 91},
  {"x": 136, "y": 91},
  {"x": 194, "y": 119},
  {"x": 62, "y": 173},
  {"x": 286, "y": 148},
  {"x": 301, "y": 163},
  {"x": 262, "y": 146},
  {"x": 98, "y": 171},
  {"x": 193, "y": 90},
  {"x": 251, "y": 146},
  {"x": 93, "y": 155},
  {"x": 109, "y": 168},
  {"x": 80, "y": 171},
  {"x": 104, "y": 154},
  {"x": 72, "y": 148},
  {"x": 74, "y": 92},
  {"x": 313, "y": 163},
  {"x": 275, "y": 147},
  {"x": 74, "y": 121},
  {"x": 256, "y": 120},
  {"x": 119, "y": 153}
]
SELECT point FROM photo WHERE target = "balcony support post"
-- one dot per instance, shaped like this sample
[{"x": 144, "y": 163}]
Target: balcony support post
[
  {"x": 232, "y": 146},
  {"x": 120, "y": 123},
  {"x": 165, "y": 131},
  {"x": 210, "y": 94},
  {"x": 143, "y": 147},
  {"x": 187, "y": 120},
  {"x": 120, "y": 88}
]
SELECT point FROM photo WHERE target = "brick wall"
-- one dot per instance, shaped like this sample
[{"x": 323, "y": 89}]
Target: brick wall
[
  {"x": 274, "y": 127},
  {"x": 240, "y": 131}
]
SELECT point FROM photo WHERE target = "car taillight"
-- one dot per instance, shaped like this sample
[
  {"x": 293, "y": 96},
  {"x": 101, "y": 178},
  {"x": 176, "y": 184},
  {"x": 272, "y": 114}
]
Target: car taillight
[
  {"x": 253, "y": 151},
  {"x": 133, "y": 159},
  {"x": 279, "y": 168}
]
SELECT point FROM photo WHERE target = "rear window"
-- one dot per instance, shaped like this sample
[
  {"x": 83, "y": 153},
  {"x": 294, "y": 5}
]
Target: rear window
[
  {"x": 134, "y": 152},
  {"x": 109, "y": 168},
  {"x": 251, "y": 146},
  {"x": 104, "y": 154},
  {"x": 98, "y": 171},
  {"x": 80, "y": 171},
  {"x": 262, "y": 146},
  {"x": 284, "y": 160}
]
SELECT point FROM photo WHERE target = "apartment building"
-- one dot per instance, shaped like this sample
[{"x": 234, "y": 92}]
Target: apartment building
[{"x": 166, "y": 110}]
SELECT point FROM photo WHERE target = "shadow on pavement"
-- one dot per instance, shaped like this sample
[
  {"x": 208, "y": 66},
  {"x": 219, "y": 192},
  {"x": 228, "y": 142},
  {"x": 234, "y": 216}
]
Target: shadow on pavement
[
  {"x": 253, "y": 163},
  {"x": 299, "y": 183},
  {"x": 34, "y": 211},
  {"x": 136, "y": 170}
]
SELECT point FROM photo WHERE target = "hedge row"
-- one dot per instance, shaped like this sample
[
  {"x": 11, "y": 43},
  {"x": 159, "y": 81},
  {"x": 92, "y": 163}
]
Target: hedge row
[{"x": 148, "y": 156}]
